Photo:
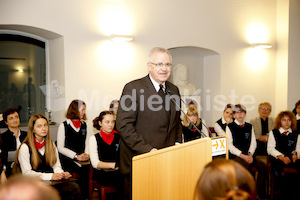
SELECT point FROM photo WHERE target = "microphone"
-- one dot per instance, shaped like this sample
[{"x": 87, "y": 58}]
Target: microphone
[{"x": 191, "y": 124}]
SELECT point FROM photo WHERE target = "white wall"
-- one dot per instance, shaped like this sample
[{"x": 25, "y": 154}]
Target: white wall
[
  {"x": 294, "y": 58},
  {"x": 96, "y": 70}
]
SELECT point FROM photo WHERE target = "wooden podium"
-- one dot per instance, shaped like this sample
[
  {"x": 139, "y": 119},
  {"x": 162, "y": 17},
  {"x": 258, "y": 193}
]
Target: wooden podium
[{"x": 170, "y": 173}]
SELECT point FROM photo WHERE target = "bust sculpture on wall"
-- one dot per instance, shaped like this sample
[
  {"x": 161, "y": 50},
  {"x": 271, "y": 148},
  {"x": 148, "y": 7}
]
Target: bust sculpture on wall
[{"x": 180, "y": 79}]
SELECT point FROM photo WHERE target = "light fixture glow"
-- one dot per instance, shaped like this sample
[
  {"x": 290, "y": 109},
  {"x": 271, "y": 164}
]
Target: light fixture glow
[
  {"x": 121, "y": 38},
  {"x": 256, "y": 59},
  {"x": 261, "y": 45}
]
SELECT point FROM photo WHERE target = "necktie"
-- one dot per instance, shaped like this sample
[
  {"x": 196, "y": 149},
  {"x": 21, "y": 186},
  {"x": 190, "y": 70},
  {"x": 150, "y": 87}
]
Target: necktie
[
  {"x": 161, "y": 91},
  {"x": 162, "y": 94},
  {"x": 242, "y": 125},
  {"x": 286, "y": 133}
]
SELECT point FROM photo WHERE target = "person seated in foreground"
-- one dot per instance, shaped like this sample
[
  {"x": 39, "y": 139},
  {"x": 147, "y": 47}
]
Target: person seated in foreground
[
  {"x": 226, "y": 180},
  {"x": 20, "y": 187}
]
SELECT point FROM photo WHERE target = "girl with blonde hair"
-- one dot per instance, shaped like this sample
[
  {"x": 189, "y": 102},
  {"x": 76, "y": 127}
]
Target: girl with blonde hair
[{"x": 190, "y": 121}]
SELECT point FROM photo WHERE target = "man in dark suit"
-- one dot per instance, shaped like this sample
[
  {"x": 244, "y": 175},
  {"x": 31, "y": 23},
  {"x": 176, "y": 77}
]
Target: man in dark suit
[{"x": 149, "y": 113}]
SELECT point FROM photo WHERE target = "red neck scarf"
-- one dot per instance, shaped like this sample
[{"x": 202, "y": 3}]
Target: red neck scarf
[
  {"x": 76, "y": 123},
  {"x": 38, "y": 145},
  {"x": 108, "y": 137}
]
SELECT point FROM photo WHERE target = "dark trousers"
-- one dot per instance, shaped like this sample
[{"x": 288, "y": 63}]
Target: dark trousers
[
  {"x": 111, "y": 178},
  {"x": 83, "y": 181},
  {"x": 288, "y": 184},
  {"x": 69, "y": 191},
  {"x": 262, "y": 170},
  {"x": 260, "y": 162},
  {"x": 128, "y": 187}
]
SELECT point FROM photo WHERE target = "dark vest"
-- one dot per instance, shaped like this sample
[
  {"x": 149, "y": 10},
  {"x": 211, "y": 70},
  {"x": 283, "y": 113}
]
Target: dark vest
[
  {"x": 9, "y": 143},
  {"x": 75, "y": 141},
  {"x": 223, "y": 126},
  {"x": 42, "y": 167},
  {"x": 106, "y": 152},
  {"x": 241, "y": 137},
  {"x": 189, "y": 134},
  {"x": 285, "y": 144}
]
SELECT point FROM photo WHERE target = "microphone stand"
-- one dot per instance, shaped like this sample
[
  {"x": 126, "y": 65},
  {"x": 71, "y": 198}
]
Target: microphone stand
[{"x": 194, "y": 126}]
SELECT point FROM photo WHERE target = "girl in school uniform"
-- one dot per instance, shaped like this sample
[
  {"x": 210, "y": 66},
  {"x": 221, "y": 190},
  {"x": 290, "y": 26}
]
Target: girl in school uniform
[
  {"x": 103, "y": 148},
  {"x": 189, "y": 131},
  {"x": 37, "y": 155},
  {"x": 72, "y": 144},
  {"x": 220, "y": 125},
  {"x": 284, "y": 147}
]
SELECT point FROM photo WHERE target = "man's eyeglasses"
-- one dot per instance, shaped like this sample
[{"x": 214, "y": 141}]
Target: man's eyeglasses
[
  {"x": 160, "y": 65},
  {"x": 265, "y": 108}
]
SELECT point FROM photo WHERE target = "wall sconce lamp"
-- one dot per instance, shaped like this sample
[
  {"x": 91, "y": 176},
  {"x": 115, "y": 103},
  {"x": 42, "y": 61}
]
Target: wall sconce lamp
[
  {"x": 262, "y": 45},
  {"x": 121, "y": 38}
]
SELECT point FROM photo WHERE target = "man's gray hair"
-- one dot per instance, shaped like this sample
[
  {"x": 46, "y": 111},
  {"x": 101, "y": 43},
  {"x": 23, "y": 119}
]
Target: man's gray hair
[
  {"x": 158, "y": 49},
  {"x": 265, "y": 103}
]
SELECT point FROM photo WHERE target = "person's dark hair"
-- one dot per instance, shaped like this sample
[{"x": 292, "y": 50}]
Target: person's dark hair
[
  {"x": 297, "y": 104},
  {"x": 111, "y": 105},
  {"x": 239, "y": 107},
  {"x": 8, "y": 112},
  {"x": 100, "y": 118},
  {"x": 73, "y": 110},
  {"x": 290, "y": 115},
  {"x": 227, "y": 180}
]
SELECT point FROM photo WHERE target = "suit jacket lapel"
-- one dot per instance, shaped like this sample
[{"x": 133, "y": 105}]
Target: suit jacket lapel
[
  {"x": 260, "y": 125},
  {"x": 172, "y": 110}
]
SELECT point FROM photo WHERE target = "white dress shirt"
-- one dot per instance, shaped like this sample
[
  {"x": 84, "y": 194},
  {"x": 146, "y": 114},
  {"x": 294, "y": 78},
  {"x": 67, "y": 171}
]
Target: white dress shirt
[{"x": 93, "y": 148}]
